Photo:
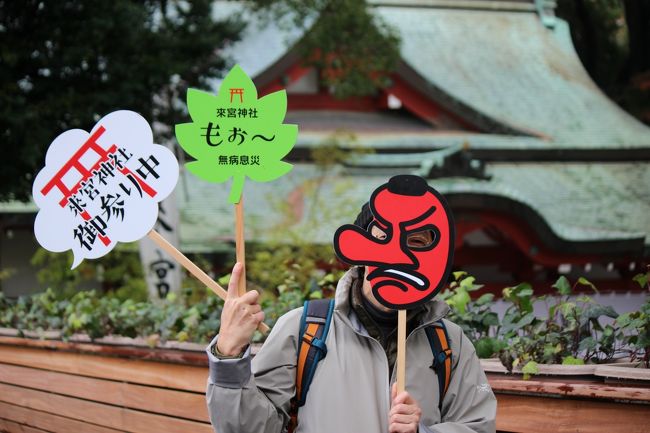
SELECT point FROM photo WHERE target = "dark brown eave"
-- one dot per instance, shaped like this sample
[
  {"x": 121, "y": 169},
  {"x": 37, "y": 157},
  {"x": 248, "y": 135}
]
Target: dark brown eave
[
  {"x": 605, "y": 250},
  {"x": 303, "y": 154}
]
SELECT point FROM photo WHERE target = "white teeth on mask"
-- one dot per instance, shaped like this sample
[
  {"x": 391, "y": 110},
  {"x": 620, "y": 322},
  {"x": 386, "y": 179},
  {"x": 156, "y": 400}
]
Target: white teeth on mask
[{"x": 415, "y": 279}]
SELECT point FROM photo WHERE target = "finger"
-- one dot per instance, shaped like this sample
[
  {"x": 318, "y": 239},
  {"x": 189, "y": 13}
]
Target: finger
[
  {"x": 234, "y": 280},
  {"x": 259, "y": 316},
  {"x": 250, "y": 297},
  {"x": 393, "y": 391},
  {"x": 401, "y": 418},
  {"x": 403, "y": 409},
  {"x": 403, "y": 397},
  {"x": 401, "y": 428},
  {"x": 254, "y": 308}
]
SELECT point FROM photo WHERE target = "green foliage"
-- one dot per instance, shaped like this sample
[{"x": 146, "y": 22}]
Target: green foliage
[
  {"x": 571, "y": 331},
  {"x": 97, "y": 316},
  {"x": 353, "y": 50},
  {"x": 634, "y": 332},
  {"x": 119, "y": 273},
  {"x": 575, "y": 331},
  {"x": 571, "y": 334},
  {"x": 66, "y": 64},
  {"x": 475, "y": 318},
  {"x": 570, "y": 360}
]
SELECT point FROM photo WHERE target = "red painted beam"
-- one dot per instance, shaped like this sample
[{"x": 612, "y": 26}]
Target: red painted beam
[
  {"x": 294, "y": 73},
  {"x": 426, "y": 109}
]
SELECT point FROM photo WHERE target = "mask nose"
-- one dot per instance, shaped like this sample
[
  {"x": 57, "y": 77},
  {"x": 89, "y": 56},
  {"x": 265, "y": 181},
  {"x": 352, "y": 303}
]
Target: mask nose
[{"x": 357, "y": 247}]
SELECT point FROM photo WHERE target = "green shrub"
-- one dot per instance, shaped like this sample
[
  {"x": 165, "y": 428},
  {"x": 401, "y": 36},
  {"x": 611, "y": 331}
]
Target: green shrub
[{"x": 575, "y": 329}]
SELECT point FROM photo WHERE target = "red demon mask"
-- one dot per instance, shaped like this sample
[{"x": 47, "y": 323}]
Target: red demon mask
[{"x": 402, "y": 272}]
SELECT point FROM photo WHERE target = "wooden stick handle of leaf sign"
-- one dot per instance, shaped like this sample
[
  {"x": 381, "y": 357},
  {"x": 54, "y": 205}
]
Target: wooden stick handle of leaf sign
[
  {"x": 401, "y": 350},
  {"x": 195, "y": 270},
  {"x": 239, "y": 243}
]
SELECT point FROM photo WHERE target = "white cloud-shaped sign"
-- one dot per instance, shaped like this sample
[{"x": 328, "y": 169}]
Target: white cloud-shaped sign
[{"x": 102, "y": 187}]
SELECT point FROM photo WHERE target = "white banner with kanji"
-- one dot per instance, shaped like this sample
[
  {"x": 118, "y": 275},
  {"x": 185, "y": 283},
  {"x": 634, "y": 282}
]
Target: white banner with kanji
[{"x": 102, "y": 187}]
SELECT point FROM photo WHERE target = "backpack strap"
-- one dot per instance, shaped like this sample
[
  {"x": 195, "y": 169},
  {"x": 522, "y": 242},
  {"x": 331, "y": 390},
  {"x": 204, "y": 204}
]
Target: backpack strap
[
  {"x": 440, "y": 347},
  {"x": 314, "y": 326}
]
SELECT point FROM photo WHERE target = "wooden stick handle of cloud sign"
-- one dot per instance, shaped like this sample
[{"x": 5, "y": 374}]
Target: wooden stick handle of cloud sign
[
  {"x": 401, "y": 350},
  {"x": 195, "y": 270},
  {"x": 239, "y": 243}
]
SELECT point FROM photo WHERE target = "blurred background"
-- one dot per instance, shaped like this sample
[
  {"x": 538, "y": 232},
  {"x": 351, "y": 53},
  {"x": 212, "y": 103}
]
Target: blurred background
[{"x": 530, "y": 116}]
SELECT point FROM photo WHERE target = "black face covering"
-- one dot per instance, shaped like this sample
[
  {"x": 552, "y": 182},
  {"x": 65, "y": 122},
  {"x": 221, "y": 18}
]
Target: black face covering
[{"x": 386, "y": 320}]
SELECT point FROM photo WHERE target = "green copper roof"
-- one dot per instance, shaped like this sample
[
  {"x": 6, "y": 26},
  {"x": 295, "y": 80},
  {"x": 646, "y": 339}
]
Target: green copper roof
[
  {"x": 508, "y": 66},
  {"x": 580, "y": 202},
  {"x": 495, "y": 57}
]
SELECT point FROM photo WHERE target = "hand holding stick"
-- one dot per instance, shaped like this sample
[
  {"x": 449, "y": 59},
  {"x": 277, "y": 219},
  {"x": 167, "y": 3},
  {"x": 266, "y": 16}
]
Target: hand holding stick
[{"x": 195, "y": 270}]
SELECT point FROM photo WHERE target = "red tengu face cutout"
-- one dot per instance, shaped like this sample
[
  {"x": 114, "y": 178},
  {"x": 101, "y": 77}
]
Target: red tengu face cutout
[{"x": 409, "y": 258}]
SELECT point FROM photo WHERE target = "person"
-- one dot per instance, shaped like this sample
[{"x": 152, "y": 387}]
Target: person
[{"x": 353, "y": 389}]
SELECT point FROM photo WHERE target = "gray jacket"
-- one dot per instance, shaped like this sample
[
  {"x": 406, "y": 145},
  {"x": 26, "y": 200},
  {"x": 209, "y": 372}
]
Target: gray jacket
[{"x": 350, "y": 391}]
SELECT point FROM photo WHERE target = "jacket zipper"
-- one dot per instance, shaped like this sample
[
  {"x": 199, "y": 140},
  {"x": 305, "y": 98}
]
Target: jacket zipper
[{"x": 376, "y": 343}]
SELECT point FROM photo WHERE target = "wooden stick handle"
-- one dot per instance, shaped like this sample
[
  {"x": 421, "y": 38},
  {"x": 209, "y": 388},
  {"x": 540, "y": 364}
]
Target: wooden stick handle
[
  {"x": 240, "y": 243},
  {"x": 195, "y": 270},
  {"x": 401, "y": 350}
]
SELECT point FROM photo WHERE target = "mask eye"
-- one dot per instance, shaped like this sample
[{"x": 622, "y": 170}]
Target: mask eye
[
  {"x": 421, "y": 239},
  {"x": 377, "y": 232}
]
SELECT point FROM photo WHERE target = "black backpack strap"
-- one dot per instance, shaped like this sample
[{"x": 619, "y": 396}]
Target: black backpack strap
[
  {"x": 440, "y": 347},
  {"x": 314, "y": 326}
]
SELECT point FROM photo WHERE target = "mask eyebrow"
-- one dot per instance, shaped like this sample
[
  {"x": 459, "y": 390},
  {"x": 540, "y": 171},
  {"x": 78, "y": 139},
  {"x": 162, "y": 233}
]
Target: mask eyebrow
[{"x": 413, "y": 223}]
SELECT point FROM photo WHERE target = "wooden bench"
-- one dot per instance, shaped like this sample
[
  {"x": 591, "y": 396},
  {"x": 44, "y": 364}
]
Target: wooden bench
[
  {"x": 54, "y": 386},
  {"x": 46, "y": 390}
]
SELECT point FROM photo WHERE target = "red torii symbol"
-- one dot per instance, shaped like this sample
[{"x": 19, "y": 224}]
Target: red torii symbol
[{"x": 237, "y": 91}]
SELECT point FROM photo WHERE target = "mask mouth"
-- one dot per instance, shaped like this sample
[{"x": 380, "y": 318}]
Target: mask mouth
[{"x": 414, "y": 278}]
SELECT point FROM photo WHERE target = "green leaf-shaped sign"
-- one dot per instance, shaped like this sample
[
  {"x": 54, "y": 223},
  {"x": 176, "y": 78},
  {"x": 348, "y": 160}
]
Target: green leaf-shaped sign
[{"x": 234, "y": 134}]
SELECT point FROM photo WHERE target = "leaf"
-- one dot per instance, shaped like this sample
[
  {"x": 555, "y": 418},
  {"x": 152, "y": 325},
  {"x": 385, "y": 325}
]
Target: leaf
[
  {"x": 485, "y": 347},
  {"x": 460, "y": 300},
  {"x": 585, "y": 282},
  {"x": 317, "y": 294},
  {"x": 459, "y": 274},
  {"x": 491, "y": 319},
  {"x": 641, "y": 279},
  {"x": 587, "y": 344},
  {"x": 562, "y": 285},
  {"x": 624, "y": 320},
  {"x": 520, "y": 295},
  {"x": 566, "y": 308},
  {"x": 526, "y": 320},
  {"x": 531, "y": 367},
  {"x": 595, "y": 311},
  {"x": 468, "y": 284},
  {"x": 484, "y": 299},
  {"x": 570, "y": 360},
  {"x": 236, "y": 135}
]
